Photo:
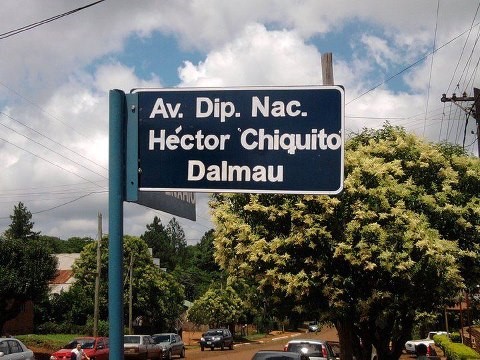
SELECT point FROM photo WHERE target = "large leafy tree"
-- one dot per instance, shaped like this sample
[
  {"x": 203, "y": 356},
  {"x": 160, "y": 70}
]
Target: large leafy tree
[
  {"x": 156, "y": 296},
  {"x": 393, "y": 244},
  {"x": 217, "y": 307},
  {"x": 26, "y": 266}
]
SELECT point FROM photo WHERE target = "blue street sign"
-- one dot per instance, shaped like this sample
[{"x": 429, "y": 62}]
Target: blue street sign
[{"x": 263, "y": 140}]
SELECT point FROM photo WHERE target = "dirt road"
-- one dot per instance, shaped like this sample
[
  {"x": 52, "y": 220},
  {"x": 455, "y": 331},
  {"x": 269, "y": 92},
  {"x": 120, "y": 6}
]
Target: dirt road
[
  {"x": 245, "y": 351},
  {"x": 274, "y": 342}
]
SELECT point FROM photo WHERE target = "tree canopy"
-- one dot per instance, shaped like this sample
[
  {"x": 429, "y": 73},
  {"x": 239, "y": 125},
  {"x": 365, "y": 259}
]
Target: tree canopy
[
  {"x": 21, "y": 226},
  {"x": 217, "y": 307},
  {"x": 395, "y": 242},
  {"x": 156, "y": 296},
  {"x": 167, "y": 243},
  {"x": 26, "y": 266}
]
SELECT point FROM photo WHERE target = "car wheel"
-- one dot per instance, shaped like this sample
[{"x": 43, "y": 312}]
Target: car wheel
[
  {"x": 212, "y": 348},
  {"x": 169, "y": 355},
  {"x": 202, "y": 348},
  {"x": 222, "y": 346},
  {"x": 231, "y": 346},
  {"x": 182, "y": 353}
]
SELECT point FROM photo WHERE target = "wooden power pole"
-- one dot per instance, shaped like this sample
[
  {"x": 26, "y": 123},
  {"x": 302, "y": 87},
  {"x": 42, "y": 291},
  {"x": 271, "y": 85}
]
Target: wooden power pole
[
  {"x": 327, "y": 69},
  {"x": 97, "y": 278},
  {"x": 474, "y": 109}
]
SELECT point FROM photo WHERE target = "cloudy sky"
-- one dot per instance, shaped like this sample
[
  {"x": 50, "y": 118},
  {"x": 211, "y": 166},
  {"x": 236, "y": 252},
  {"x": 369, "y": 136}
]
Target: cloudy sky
[{"x": 395, "y": 59}]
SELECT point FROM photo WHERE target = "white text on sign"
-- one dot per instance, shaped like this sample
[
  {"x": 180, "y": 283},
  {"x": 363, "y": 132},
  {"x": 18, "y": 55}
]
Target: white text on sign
[{"x": 206, "y": 107}]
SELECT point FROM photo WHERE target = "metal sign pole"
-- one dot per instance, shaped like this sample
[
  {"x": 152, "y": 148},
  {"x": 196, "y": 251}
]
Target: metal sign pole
[{"x": 115, "y": 218}]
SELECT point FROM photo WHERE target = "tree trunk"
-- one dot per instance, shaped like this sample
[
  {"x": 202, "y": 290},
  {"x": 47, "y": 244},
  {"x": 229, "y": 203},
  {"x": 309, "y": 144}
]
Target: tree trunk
[{"x": 345, "y": 337}]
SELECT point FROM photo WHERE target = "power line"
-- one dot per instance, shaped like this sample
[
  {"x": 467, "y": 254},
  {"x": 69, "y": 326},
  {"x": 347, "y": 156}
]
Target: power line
[
  {"x": 45, "y": 21},
  {"x": 463, "y": 49},
  {"x": 52, "y": 150},
  {"x": 411, "y": 65},
  {"x": 431, "y": 67},
  {"x": 50, "y": 162}
]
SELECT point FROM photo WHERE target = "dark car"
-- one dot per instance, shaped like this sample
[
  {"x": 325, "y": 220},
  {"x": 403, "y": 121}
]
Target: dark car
[
  {"x": 315, "y": 349},
  {"x": 95, "y": 347},
  {"x": 171, "y": 344},
  {"x": 220, "y": 338},
  {"x": 278, "y": 355}
]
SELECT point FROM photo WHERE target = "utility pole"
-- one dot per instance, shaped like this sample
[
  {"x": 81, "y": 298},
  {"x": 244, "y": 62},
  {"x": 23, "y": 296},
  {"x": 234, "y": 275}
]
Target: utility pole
[
  {"x": 97, "y": 278},
  {"x": 474, "y": 109},
  {"x": 327, "y": 69},
  {"x": 130, "y": 295}
]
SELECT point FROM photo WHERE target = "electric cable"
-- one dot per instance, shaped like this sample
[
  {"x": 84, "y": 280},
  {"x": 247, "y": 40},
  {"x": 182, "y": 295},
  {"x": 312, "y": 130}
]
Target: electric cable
[
  {"x": 45, "y": 21},
  {"x": 410, "y": 66}
]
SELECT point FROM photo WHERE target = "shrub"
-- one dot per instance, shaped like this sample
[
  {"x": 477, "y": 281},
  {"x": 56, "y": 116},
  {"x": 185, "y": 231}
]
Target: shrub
[
  {"x": 455, "y": 351},
  {"x": 102, "y": 327},
  {"x": 456, "y": 337},
  {"x": 59, "y": 328}
]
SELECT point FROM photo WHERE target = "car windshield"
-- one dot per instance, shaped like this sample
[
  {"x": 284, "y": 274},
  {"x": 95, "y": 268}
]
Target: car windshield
[
  {"x": 86, "y": 344},
  {"x": 305, "y": 348},
  {"x": 131, "y": 339},
  {"x": 270, "y": 356},
  {"x": 213, "y": 333},
  {"x": 161, "y": 338}
]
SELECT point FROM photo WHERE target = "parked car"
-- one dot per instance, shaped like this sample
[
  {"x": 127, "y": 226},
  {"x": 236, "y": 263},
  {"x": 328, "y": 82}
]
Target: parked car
[
  {"x": 278, "y": 355},
  {"x": 171, "y": 344},
  {"x": 315, "y": 349},
  {"x": 13, "y": 349},
  {"x": 141, "y": 347},
  {"x": 313, "y": 326},
  {"x": 96, "y": 348},
  {"x": 411, "y": 345},
  {"x": 220, "y": 338}
]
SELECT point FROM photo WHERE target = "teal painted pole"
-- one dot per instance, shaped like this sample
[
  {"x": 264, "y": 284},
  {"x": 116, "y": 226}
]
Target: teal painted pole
[{"x": 115, "y": 220}]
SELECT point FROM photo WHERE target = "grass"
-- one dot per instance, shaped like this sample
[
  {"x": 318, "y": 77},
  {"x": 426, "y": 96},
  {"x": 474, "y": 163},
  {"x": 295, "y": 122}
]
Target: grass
[{"x": 49, "y": 341}]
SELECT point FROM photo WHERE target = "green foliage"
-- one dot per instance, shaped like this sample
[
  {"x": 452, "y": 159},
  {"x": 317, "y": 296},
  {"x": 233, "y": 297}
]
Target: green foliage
[
  {"x": 455, "y": 351},
  {"x": 156, "y": 296},
  {"x": 63, "y": 327},
  {"x": 199, "y": 270},
  {"x": 167, "y": 243},
  {"x": 217, "y": 307},
  {"x": 21, "y": 225},
  {"x": 396, "y": 241},
  {"x": 455, "y": 337},
  {"x": 49, "y": 341},
  {"x": 26, "y": 266},
  {"x": 59, "y": 246}
]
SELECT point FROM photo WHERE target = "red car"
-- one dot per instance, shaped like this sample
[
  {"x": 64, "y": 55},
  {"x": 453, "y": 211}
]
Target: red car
[{"x": 95, "y": 347}]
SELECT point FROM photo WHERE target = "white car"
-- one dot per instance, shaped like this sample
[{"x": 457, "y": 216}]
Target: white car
[
  {"x": 411, "y": 345},
  {"x": 11, "y": 348},
  {"x": 314, "y": 349}
]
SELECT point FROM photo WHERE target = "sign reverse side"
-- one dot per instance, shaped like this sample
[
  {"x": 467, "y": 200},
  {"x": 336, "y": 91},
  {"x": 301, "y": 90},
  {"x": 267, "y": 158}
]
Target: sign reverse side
[{"x": 264, "y": 140}]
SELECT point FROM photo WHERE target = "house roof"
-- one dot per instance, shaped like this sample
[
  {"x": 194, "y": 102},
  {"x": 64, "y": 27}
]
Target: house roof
[{"x": 64, "y": 276}]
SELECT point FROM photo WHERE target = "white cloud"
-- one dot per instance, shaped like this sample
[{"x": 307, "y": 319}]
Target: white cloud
[
  {"x": 257, "y": 57},
  {"x": 380, "y": 50},
  {"x": 55, "y": 80}
]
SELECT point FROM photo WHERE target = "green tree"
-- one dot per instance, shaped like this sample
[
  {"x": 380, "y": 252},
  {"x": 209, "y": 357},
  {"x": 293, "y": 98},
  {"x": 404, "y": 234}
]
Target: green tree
[
  {"x": 156, "y": 296},
  {"x": 199, "y": 270},
  {"x": 26, "y": 267},
  {"x": 217, "y": 307},
  {"x": 167, "y": 243},
  {"x": 21, "y": 226},
  {"x": 60, "y": 246},
  {"x": 372, "y": 257}
]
